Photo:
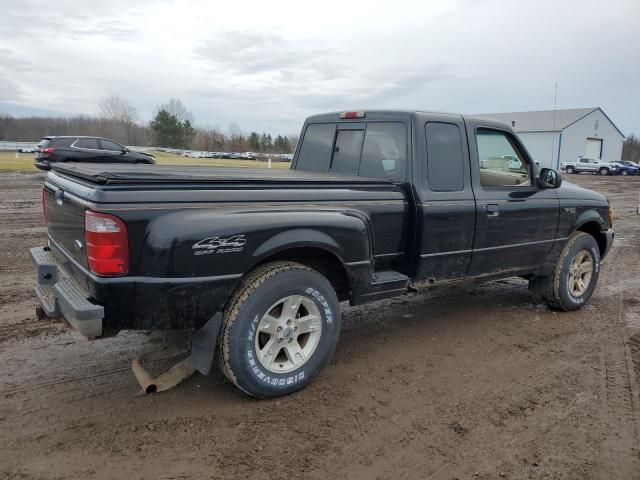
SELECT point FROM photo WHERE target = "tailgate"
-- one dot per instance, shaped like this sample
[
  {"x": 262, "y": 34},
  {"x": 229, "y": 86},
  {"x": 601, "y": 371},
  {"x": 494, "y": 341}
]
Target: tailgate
[{"x": 65, "y": 221}]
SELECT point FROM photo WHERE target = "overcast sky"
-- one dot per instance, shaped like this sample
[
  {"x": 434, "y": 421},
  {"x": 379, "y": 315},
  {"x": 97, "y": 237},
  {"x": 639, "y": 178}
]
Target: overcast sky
[{"x": 267, "y": 65}]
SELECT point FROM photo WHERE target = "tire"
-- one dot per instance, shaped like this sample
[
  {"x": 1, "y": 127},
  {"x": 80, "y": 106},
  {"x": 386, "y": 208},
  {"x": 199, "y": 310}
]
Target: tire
[
  {"x": 570, "y": 170},
  {"x": 558, "y": 290},
  {"x": 603, "y": 171},
  {"x": 624, "y": 173},
  {"x": 244, "y": 344}
]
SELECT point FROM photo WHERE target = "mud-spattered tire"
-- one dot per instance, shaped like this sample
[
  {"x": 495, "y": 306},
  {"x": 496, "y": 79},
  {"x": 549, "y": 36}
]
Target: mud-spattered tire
[
  {"x": 556, "y": 290},
  {"x": 258, "y": 293}
]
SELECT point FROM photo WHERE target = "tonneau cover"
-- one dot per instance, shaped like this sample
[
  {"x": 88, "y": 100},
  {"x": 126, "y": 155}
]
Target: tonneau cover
[{"x": 114, "y": 174}]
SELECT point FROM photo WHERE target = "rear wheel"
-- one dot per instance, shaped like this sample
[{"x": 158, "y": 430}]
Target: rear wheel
[
  {"x": 570, "y": 170},
  {"x": 603, "y": 171},
  {"x": 279, "y": 330},
  {"x": 575, "y": 276}
]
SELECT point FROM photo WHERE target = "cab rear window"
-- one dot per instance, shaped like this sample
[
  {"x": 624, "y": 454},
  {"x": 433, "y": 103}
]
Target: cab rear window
[
  {"x": 316, "y": 147},
  {"x": 374, "y": 149}
]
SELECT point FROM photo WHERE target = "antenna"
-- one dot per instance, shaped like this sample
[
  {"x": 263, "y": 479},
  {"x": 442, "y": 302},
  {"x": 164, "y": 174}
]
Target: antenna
[{"x": 553, "y": 135}]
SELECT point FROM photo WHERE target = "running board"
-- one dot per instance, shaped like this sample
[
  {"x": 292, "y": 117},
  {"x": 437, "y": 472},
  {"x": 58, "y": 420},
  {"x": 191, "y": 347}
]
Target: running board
[{"x": 385, "y": 284}]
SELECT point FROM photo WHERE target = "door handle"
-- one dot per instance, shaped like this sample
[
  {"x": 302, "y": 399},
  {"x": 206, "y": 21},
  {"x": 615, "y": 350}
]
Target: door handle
[{"x": 492, "y": 209}]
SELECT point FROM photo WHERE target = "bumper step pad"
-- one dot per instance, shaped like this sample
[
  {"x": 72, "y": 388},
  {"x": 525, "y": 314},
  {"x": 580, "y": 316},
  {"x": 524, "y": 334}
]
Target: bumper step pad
[{"x": 61, "y": 296}]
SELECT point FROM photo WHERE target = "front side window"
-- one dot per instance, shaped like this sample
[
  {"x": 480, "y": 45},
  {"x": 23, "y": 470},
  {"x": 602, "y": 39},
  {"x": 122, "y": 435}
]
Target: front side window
[
  {"x": 111, "y": 146},
  {"x": 501, "y": 164},
  {"x": 315, "y": 150},
  {"x": 89, "y": 143},
  {"x": 384, "y": 153}
]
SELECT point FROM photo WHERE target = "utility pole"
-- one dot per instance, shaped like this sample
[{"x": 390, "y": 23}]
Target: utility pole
[{"x": 553, "y": 135}]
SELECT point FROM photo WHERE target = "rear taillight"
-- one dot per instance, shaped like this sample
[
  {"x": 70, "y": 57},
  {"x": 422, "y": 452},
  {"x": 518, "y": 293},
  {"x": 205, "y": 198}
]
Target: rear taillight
[
  {"x": 48, "y": 150},
  {"x": 44, "y": 204},
  {"x": 107, "y": 245}
]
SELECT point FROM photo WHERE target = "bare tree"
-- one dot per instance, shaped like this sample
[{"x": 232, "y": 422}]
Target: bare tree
[
  {"x": 176, "y": 108},
  {"x": 631, "y": 149},
  {"x": 121, "y": 117},
  {"x": 235, "y": 140}
]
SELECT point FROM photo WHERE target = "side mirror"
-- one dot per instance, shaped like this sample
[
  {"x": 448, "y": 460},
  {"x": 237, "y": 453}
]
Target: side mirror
[
  {"x": 549, "y": 178},
  {"x": 124, "y": 150}
]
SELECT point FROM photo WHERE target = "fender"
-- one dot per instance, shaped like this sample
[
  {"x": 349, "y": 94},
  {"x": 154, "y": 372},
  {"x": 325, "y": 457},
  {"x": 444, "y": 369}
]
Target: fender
[
  {"x": 210, "y": 242},
  {"x": 586, "y": 216}
]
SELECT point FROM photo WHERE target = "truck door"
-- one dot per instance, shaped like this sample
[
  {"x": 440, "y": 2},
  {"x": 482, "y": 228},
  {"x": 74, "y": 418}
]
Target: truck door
[
  {"x": 445, "y": 203},
  {"x": 516, "y": 221}
]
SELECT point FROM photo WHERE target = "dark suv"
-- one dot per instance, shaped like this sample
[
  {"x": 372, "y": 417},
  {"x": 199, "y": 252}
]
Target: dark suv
[{"x": 85, "y": 149}]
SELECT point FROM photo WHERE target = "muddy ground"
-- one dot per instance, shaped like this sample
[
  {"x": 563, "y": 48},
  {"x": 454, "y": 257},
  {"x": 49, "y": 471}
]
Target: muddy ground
[{"x": 475, "y": 383}]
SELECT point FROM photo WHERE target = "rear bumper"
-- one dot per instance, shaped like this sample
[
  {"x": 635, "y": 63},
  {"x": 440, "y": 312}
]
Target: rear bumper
[
  {"x": 42, "y": 165},
  {"x": 61, "y": 296},
  {"x": 609, "y": 236}
]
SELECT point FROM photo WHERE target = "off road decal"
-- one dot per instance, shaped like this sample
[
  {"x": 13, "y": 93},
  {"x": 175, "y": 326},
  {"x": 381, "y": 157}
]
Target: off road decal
[{"x": 213, "y": 245}]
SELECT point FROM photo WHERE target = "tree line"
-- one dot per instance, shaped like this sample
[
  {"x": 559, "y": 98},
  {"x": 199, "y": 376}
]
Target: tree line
[
  {"x": 631, "y": 149},
  {"x": 172, "y": 126}
]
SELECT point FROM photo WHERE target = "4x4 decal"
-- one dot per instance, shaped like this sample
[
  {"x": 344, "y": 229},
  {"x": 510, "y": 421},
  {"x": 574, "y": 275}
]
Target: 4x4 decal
[{"x": 211, "y": 245}]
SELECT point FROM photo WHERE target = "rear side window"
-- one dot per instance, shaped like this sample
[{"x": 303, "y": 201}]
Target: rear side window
[
  {"x": 89, "y": 143},
  {"x": 317, "y": 144},
  {"x": 445, "y": 161},
  {"x": 44, "y": 143},
  {"x": 346, "y": 153},
  {"x": 384, "y": 154}
]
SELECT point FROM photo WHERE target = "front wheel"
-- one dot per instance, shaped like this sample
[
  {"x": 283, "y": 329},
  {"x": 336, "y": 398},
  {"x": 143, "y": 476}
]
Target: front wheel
[
  {"x": 280, "y": 329},
  {"x": 624, "y": 173},
  {"x": 575, "y": 276},
  {"x": 570, "y": 170},
  {"x": 603, "y": 171}
]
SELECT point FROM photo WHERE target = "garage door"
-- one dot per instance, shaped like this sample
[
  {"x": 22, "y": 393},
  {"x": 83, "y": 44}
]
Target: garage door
[{"x": 594, "y": 148}]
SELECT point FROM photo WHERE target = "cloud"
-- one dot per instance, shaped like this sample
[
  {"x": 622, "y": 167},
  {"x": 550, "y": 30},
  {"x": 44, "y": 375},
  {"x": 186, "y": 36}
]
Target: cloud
[
  {"x": 10, "y": 61},
  {"x": 266, "y": 68},
  {"x": 10, "y": 91},
  {"x": 255, "y": 53}
]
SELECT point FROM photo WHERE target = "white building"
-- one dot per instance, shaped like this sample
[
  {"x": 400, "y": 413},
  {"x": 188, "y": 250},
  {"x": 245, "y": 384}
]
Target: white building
[{"x": 554, "y": 136}]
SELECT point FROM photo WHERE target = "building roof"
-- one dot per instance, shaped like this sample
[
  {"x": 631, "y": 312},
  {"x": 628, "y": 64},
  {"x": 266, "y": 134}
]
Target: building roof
[{"x": 541, "y": 121}]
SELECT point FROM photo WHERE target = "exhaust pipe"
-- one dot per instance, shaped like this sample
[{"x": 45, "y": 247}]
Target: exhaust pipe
[{"x": 179, "y": 372}]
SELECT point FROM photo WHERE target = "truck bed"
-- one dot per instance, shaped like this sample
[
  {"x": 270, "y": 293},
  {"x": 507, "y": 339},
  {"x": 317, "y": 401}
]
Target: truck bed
[{"x": 114, "y": 174}]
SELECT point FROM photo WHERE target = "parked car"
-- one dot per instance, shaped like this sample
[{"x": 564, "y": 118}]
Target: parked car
[
  {"x": 52, "y": 150},
  {"x": 26, "y": 150},
  {"x": 260, "y": 260},
  {"x": 591, "y": 165},
  {"x": 629, "y": 163},
  {"x": 624, "y": 169}
]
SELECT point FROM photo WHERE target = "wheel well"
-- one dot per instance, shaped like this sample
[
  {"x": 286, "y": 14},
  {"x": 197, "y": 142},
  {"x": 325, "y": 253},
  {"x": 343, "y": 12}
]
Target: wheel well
[
  {"x": 593, "y": 229},
  {"x": 320, "y": 260}
]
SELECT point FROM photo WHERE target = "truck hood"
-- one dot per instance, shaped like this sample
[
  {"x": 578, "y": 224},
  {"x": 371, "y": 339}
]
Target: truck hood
[{"x": 570, "y": 190}]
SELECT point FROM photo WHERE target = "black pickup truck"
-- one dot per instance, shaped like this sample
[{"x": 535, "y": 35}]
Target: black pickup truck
[{"x": 375, "y": 204}]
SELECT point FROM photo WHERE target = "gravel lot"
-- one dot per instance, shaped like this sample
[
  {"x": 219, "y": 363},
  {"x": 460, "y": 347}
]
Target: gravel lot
[{"x": 475, "y": 383}]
